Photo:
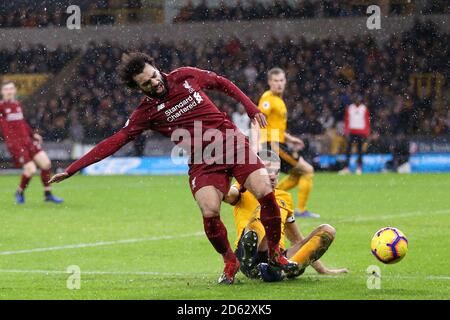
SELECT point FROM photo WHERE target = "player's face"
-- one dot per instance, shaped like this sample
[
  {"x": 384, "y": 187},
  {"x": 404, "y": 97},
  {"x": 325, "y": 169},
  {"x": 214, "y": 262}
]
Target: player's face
[
  {"x": 273, "y": 168},
  {"x": 151, "y": 82},
  {"x": 277, "y": 83},
  {"x": 9, "y": 92}
]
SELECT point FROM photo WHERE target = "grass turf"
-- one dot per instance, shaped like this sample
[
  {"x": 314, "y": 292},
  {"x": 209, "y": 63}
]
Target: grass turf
[{"x": 168, "y": 257}]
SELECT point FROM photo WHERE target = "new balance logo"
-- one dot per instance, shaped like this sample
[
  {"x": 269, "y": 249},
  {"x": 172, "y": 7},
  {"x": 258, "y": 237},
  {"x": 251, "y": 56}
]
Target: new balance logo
[
  {"x": 188, "y": 87},
  {"x": 160, "y": 106}
]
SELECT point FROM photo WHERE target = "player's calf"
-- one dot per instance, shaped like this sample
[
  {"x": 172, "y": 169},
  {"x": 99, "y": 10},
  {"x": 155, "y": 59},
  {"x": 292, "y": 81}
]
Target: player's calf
[
  {"x": 315, "y": 245},
  {"x": 29, "y": 169},
  {"x": 326, "y": 234}
]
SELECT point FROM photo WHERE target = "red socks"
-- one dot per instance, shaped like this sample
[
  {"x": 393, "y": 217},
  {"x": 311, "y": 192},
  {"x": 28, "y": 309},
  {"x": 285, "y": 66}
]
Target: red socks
[
  {"x": 217, "y": 234},
  {"x": 271, "y": 220},
  {"x": 24, "y": 183},
  {"x": 45, "y": 177}
]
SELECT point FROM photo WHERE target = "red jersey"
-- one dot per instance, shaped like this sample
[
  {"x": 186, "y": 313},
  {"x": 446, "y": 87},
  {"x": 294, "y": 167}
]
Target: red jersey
[
  {"x": 14, "y": 127},
  {"x": 184, "y": 103}
]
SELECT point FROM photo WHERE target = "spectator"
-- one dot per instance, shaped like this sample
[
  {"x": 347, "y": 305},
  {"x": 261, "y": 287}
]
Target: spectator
[
  {"x": 357, "y": 129},
  {"x": 323, "y": 75}
]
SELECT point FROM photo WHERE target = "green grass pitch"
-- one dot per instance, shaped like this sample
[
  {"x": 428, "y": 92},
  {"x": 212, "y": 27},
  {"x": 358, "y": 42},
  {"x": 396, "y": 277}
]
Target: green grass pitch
[{"x": 142, "y": 238}]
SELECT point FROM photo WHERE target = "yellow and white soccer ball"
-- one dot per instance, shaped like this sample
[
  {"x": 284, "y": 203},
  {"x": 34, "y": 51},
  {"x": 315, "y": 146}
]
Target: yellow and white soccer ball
[{"x": 389, "y": 245}]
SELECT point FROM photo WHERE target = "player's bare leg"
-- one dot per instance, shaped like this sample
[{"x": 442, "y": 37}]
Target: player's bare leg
[
  {"x": 209, "y": 199},
  {"x": 29, "y": 170},
  {"x": 312, "y": 247},
  {"x": 258, "y": 183},
  {"x": 43, "y": 162}
]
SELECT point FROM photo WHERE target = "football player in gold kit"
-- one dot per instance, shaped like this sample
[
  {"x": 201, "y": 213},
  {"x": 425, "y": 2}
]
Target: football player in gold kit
[
  {"x": 274, "y": 137},
  {"x": 250, "y": 244}
]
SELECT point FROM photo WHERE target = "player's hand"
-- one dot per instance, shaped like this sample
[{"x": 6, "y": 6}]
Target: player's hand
[
  {"x": 59, "y": 177},
  {"x": 334, "y": 271},
  {"x": 260, "y": 118},
  {"x": 37, "y": 137},
  {"x": 298, "y": 143}
]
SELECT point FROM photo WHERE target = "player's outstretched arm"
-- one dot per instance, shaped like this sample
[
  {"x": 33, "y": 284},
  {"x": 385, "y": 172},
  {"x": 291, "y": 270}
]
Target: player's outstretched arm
[
  {"x": 230, "y": 89},
  {"x": 59, "y": 177},
  {"x": 321, "y": 269},
  {"x": 210, "y": 80},
  {"x": 102, "y": 150}
]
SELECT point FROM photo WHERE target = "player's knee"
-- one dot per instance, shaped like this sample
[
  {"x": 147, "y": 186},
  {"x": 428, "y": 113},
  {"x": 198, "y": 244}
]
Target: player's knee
[
  {"x": 307, "y": 169},
  {"x": 265, "y": 190},
  {"x": 47, "y": 165},
  {"x": 328, "y": 229},
  {"x": 262, "y": 189},
  {"x": 30, "y": 169},
  {"x": 210, "y": 212},
  {"x": 297, "y": 170}
]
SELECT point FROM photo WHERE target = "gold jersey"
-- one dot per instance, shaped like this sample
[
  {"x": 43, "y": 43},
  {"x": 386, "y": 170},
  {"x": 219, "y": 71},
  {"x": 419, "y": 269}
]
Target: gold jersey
[
  {"x": 275, "y": 111},
  {"x": 247, "y": 213}
]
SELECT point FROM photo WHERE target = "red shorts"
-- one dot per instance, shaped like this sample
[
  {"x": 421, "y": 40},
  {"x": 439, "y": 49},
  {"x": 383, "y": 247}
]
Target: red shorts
[
  {"x": 24, "y": 152},
  {"x": 220, "y": 175}
]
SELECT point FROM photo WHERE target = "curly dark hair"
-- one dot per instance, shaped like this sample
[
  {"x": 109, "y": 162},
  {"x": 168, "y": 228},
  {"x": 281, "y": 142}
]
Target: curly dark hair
[{"x": 132, "y": 64}]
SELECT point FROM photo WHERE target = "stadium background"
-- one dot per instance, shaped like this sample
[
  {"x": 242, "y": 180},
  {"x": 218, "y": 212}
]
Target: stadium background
[
  {"x": 72, "y": 96},
  {"x": 141, "y": 237}
]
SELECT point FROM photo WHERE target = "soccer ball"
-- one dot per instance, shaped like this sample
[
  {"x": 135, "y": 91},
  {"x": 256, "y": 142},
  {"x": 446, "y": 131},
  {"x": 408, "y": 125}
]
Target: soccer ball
[{"x": 389, "y": 245}]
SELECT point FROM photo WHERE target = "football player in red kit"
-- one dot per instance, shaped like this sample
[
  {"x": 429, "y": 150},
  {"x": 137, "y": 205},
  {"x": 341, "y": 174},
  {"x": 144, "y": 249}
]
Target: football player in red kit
[
  {"x": 176, "y": 106},
  {"x": 23, "y": 145}
]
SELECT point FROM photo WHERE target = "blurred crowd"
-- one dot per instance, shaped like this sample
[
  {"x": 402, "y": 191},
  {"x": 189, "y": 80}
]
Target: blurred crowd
[
  {"x": 437, "y": 7},
  {"x": 45, "y": 13},
  {"x": 35, "y": 59},
  {"x": 253, "y": 9},
  {"x": 323, "y": 76}
]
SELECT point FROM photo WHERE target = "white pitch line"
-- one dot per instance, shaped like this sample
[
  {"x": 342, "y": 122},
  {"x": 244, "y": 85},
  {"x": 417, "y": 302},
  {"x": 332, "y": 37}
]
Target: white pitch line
[
  {"x": 190, "y": 274},
  {"x": 393, "y": 216},
  {"x": 101, "y": 243},
  {"x": 135, "y": 240},
  {"x": 136, "y": 273},
  {"x": 381, "y": 217}
]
